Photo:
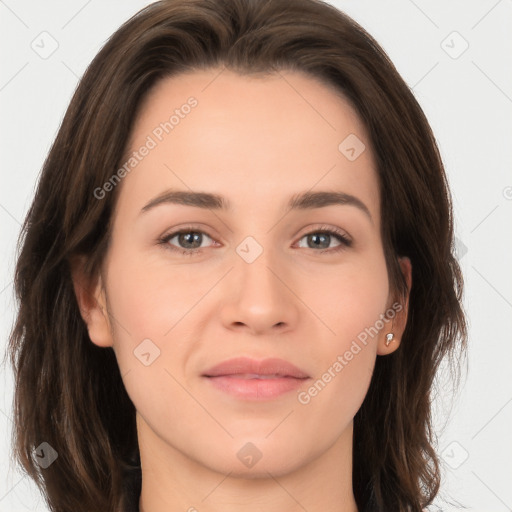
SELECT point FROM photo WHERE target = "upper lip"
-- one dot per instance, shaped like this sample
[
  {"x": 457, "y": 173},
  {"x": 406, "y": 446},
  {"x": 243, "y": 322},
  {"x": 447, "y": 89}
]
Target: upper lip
[{"x": 246, "y": 365}]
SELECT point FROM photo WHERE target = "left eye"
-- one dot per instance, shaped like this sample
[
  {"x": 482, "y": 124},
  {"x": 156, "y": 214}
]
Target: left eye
[
  {"x": 318, "y": 238},
  {"x": 191, "y": 240}
]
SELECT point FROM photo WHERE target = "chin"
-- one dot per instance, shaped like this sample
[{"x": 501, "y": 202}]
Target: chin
[{"x": 256, "y": 458}]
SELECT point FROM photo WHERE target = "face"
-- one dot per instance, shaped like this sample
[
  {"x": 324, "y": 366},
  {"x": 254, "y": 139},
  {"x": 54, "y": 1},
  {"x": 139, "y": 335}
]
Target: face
[{"x": 249, "y": 275}]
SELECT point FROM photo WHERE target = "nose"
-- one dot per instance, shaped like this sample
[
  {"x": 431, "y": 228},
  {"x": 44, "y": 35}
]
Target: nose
[{"x": 259, "y": 297}]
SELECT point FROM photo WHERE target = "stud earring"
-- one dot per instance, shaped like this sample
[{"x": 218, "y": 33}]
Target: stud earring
[{"x": 389, "y": 338}]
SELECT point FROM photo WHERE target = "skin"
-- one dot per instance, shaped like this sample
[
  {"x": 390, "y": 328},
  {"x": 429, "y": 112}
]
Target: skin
[{"x": 256, "y": 141}]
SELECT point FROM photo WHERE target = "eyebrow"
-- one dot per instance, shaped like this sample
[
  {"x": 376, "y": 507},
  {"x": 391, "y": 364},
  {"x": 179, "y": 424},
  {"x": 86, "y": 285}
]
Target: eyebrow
[{"x": 301, "y": 201}]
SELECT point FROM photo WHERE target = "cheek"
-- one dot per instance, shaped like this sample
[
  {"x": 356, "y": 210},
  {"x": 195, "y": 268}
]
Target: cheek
[
  {"x": 351, "y": 306},
  {"x": 346, "y": 353},
  {"x": 328, "y": 405},
  {"x": 152, "y": 306},
  {"x": 163, "y": 303},
  {"x": 351, "y": 299},
  {"x": 151, "y": 298}
]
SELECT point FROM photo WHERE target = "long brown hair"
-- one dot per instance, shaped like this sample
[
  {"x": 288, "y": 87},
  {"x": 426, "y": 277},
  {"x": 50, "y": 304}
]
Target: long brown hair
[{"x": 69, "y": 392}]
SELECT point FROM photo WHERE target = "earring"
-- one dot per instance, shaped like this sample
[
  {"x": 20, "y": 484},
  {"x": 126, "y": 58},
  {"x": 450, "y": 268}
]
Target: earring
[{"x": 389, "y": 338}]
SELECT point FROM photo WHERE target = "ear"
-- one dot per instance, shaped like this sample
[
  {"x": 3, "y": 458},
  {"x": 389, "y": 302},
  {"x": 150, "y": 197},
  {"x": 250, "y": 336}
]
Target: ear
[
  {"x": 91, "y": 298},
  {"x": 396, "y": 326}
]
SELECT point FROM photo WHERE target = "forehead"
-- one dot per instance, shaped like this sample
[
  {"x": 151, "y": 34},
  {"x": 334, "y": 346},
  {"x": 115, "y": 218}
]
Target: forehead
[{"x": 254, "y": 139}]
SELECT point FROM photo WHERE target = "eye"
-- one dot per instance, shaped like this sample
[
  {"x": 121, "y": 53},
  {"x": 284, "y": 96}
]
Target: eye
[
  {"x": 322, "y": 237},
  {"x": 190, "y": 239}
]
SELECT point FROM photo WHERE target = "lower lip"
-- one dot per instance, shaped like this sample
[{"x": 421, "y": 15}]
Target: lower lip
[{"x": 256, "y": 389}]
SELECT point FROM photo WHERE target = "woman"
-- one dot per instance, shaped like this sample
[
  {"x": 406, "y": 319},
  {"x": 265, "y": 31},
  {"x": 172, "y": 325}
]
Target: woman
[{"x": 188, "y": 338}]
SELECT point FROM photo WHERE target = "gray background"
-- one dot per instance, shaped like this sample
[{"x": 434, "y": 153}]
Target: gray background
[{"x": 466, "y": 94}]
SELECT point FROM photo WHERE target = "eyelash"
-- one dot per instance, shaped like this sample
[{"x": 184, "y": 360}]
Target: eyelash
[{"x": 345, "y": 242}]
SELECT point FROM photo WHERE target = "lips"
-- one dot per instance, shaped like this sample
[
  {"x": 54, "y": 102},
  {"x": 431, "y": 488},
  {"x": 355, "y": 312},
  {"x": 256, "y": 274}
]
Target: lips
[
  {"x": 249, "y": 379},
  {"x": 247, "y": 368}
]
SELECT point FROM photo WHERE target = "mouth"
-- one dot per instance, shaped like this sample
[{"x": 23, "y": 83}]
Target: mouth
[
  {"x": 250, "y": 379},
  {"x": 254, "y": 376}
]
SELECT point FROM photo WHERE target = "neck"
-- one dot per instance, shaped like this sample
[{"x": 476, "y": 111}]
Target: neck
[{"x": 172, "y": 482}]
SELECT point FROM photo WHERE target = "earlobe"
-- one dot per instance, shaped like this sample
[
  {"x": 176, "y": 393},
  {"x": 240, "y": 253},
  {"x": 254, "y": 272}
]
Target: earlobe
[
  {"x": 388, "y": 342},
  {"x": 91, "y": 299},
  {"x": 391, "y": 336}
]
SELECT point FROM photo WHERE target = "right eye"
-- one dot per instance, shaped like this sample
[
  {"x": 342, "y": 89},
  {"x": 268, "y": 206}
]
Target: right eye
[{"x": 190, "y": 238}]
